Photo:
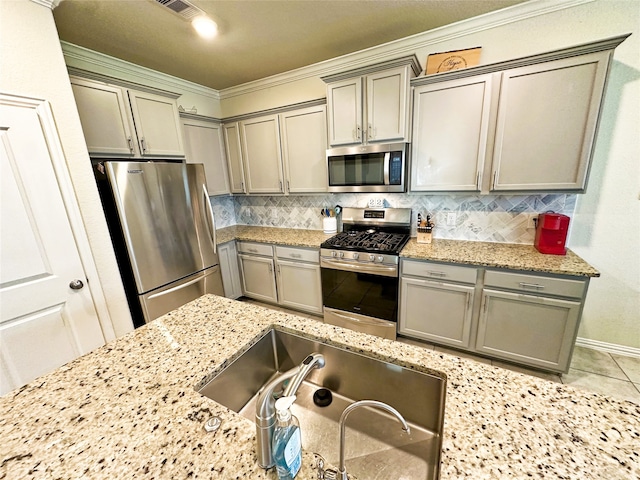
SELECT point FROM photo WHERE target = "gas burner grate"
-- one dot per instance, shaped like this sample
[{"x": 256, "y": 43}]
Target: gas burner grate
[{"x": 368, "y": 241}]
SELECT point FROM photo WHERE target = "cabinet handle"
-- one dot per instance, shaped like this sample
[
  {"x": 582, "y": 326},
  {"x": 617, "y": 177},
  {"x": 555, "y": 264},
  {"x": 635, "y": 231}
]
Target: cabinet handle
[
  {"x": 534, "y": 286},
  {"x": 242, "y": 187},
  {"x": 358, "y": 134},
  {"x": 288, "y": 186},
  {"x": 370, "y": 131},
  {"x": 281, "y": 185},
  {"x": 130, "y": 141},
  {"x": 436, "y": 274},
  {"x": 478, "y": 181},
  {"x": 296, "y": 255},
  {"x": 144, "y": 144},
  {"x": 252, "y": 250},
  {"x": 495, "y": 175},
  {"x": 270, "y": 268},
  {"x": 468, "y": 301},
  {"x": 278, "y": 269}
]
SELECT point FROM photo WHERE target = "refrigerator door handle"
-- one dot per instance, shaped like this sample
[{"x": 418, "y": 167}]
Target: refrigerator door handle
[
  {"x": 176, "y": 288},
  {"x": 212, "y": 223}
]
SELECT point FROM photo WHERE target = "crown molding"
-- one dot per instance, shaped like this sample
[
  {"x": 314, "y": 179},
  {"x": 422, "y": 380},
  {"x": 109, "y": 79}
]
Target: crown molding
[
  {"x": 406, "y": 46},
  {"x": 50, "y": 4},
  {"x": 80, "y": 58}
]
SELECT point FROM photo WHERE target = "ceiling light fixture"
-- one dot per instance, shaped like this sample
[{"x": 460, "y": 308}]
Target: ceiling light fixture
[{"x": 205, "y": 27}]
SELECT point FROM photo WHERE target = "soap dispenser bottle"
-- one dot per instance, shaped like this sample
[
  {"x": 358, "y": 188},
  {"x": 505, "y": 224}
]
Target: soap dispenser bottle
[{"x": 287, "y": 444}]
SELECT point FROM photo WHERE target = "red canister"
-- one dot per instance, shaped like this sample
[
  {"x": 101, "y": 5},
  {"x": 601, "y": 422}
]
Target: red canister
[{"x": 551, "y": 233}]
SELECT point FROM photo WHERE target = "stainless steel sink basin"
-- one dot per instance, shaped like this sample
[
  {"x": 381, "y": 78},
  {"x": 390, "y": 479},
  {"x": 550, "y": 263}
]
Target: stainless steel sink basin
[{"x": 376, "y": 447}]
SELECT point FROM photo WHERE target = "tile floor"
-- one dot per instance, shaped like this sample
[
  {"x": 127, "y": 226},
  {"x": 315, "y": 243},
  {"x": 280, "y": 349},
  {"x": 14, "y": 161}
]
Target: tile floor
[{"x": 594, "y": 370}]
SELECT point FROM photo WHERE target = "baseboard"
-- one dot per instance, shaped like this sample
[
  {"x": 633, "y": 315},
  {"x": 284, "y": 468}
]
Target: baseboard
[{"x": 608, "y": 347}]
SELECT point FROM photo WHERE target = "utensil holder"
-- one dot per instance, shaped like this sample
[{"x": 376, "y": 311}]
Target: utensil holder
[
  {"x": 425, "y": 234},
  {"x": 330, "y": 225}
]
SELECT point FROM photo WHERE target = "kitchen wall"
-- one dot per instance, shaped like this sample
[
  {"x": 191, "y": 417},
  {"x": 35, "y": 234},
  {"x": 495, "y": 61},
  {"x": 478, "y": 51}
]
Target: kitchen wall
[{"x": 489, "y": 218}]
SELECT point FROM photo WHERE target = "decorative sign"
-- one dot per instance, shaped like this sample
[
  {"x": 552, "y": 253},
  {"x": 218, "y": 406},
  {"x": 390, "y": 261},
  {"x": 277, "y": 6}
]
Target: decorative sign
[{"x": 454, "y": 60}]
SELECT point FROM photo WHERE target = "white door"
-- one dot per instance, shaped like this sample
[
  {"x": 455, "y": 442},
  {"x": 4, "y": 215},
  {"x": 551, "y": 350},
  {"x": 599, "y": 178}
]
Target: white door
[
  {"x": 47, "y": 318},
  {"x": 344, "y": 109},
  {"x": 258, "y": 280},
  {"x": 299, "y": 285},
  {"x": 387, "y": 100},
  {"x": 234, "y": 157}
]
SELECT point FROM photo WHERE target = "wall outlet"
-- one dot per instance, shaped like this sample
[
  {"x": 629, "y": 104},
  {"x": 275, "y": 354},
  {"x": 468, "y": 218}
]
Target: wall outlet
[
  {"x": 274, "y": 213},
  {"x": 531, "y": 221},
  {"x": 451, "y": 219}
]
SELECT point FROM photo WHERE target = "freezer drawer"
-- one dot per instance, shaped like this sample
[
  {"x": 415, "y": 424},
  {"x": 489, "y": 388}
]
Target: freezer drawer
[{"x": 158, "y": 302}]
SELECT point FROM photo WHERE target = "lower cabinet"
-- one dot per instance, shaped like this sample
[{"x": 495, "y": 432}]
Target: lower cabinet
[
  {"x": 287, "y": 276},
  {"x": 436, "y": 311},
  {"x": 228, "y": 257},
  {"x": 534, "y": 330},
  {"x": 519, "y": 317}
]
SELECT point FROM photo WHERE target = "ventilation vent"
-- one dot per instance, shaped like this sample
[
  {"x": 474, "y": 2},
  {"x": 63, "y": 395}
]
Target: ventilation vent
[{"x": 182, "y": 8}]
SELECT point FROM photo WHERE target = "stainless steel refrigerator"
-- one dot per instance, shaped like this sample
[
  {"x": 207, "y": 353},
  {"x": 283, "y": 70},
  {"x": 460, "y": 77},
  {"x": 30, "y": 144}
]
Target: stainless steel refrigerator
[{"x": 163, "y": 230}]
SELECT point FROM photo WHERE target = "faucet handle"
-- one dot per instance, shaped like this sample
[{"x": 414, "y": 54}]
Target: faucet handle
[{"x": 329, "y": 473}]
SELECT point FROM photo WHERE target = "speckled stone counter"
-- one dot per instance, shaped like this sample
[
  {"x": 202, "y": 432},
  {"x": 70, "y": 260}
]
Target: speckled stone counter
[
  {"x": 499, "y": 255},
  {"x": 280, "y": 236},
  {"x": 131, "y": 409},
  {"x": 488, "y": 254}
]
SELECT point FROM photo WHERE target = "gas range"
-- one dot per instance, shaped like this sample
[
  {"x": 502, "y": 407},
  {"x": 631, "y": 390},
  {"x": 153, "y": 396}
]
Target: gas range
[
  {"x": 370, "y": 235},
  {"x": 359, "y": 270}
]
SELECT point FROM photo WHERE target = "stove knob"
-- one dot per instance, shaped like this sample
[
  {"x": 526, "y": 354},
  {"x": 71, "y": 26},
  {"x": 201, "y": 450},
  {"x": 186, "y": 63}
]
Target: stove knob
[
  {"x": 380, "y": 258},
  {"x": 355, "y": 255},
  {"x": 372, "y": 258},
  {"x": 334, "y": 253},
  {"x": 341, "y": 254}
]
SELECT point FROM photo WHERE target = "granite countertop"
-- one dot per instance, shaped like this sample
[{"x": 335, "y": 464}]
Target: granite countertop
[
  {"x": 487, "y": 254},
  {"x": 130, "y": 409}
]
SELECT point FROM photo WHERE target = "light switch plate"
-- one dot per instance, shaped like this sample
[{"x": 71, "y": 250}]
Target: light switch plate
[{"x": 451, "y": 219}]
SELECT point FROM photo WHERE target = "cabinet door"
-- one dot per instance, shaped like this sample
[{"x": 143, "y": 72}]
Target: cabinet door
[
  {"x": 299, "y": 286},
  {"x": 387, "y": 100},
  {"x": 262, "y": 156},
  {"x": 436, "y": 311},
  {"x": 528, "y": 329},
  {"x": 234, "y": 157},
  {"x": 157, "y": 124},
  {"x": 105, "y": 119},
  {"x": 344, "y": 104},
  {"x": 229, "y": 268},
  {"x": 203, "y": 144},
  {"x": 258, "y": 279},
  {"x": 304, "y": 149},
  {"x": 547, "y": 122},
  {"x": 450, "y": 128}
]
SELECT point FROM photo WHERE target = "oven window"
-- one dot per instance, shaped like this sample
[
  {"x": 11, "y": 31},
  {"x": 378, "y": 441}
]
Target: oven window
[
  {"x": 366, "y": 294},
  {"x": 351, "y": 170}
]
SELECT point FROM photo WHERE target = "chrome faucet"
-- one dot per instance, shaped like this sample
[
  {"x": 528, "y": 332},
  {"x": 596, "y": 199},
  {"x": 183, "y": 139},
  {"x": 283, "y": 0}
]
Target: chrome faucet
[
  {"x": 343, "y": 418},
  {"x": 265, "y": 406}
]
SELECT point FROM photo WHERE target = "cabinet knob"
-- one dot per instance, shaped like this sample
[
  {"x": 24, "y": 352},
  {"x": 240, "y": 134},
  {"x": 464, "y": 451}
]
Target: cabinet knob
[{"x": 144, "y": 144}]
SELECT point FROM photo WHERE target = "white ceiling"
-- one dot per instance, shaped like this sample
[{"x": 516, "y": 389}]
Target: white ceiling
[{"x": 257, "y": 38}]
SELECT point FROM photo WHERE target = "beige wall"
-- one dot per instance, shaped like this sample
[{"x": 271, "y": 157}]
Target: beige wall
[
  {"x": 31, "y": 64},
  {"x": 606, "y": 227}
]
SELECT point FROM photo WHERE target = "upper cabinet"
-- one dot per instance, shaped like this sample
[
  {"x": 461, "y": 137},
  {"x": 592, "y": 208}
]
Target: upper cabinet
[
  {"x": 372, "y": 104},
  {"x": 546, "y": 123},
  {"x": 203, "y": 142},
  {"x": 518, "y": 126},
  {"x": 280, "y": 153},
  {"x": 304, "y": 149},
  {"x": 450, "y": 128},
  {"x": 118, "y": 121}
]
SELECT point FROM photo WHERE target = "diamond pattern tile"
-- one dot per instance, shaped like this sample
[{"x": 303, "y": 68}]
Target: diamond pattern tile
[{"x": 487, "y": 218}]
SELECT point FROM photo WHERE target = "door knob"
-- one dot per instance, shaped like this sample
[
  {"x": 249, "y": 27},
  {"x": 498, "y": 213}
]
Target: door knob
[{"x": 76, "y": 284}]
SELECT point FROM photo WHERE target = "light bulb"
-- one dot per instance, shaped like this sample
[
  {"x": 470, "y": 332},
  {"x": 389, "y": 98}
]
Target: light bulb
[{"x": 205, "y": 27}]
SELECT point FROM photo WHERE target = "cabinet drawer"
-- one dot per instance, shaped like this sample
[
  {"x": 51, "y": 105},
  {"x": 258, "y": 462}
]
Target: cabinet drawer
[
  {"x": 439, "y": 271},
  {"x": 301, "y": 254},
  {"x": 255, "y": 248},
  {"x": 535, "y": 284}
]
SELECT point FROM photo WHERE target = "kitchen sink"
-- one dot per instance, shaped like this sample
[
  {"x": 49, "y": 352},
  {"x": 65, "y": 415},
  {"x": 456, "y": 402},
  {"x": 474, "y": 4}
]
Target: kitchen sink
[{"x": 376, "y": 446}]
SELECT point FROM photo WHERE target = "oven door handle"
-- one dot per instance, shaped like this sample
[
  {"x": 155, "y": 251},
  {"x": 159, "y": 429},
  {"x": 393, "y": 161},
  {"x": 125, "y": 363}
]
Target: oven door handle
[
  {"x": 361, "y": 321},
  {"x": 382, "y": 270}
]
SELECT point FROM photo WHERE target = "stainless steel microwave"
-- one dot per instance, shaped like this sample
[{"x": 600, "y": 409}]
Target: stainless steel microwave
[{"x": 368, "y": 168}]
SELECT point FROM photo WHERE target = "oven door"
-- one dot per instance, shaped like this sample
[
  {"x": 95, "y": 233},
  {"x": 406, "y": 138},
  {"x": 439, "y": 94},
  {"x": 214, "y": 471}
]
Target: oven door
[{"x": 360, "y": 293}]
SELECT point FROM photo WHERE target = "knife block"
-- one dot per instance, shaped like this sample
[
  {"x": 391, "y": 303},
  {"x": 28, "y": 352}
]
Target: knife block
[{"x": 425, "y": 234}]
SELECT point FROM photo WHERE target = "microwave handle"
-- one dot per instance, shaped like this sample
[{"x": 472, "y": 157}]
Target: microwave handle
[{"x": 387, "y": 157}]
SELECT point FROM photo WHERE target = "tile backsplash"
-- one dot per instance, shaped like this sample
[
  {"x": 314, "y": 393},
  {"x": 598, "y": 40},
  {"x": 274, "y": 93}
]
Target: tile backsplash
[{"x": 488, "y": 218}]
